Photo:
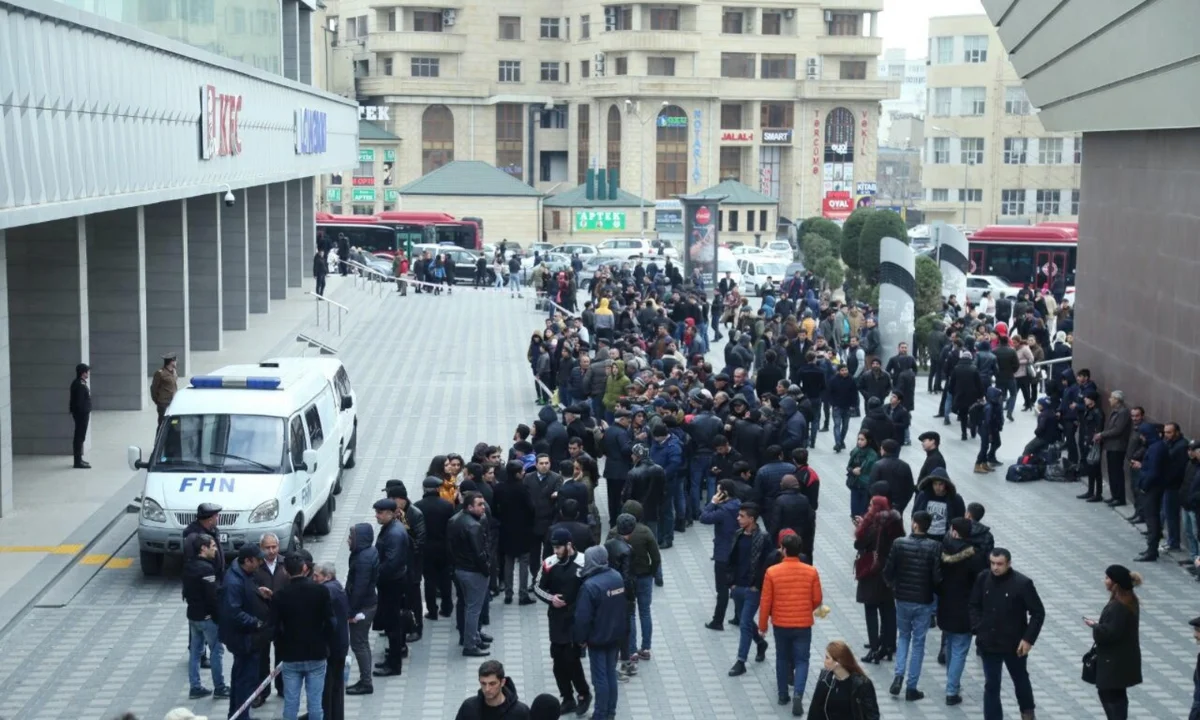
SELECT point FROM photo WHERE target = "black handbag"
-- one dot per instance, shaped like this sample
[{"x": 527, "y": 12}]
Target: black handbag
[{"x": 1089, "y": 666}]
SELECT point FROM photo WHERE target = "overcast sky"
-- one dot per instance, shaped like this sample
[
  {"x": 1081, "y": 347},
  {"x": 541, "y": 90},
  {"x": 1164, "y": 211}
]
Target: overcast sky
[{"x": 905, "y": 23}]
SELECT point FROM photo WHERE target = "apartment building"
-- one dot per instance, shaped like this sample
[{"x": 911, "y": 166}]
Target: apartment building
[
  {"x": 910, "y": 73},
  {"x": 676, "y": 96},
  {"x": 988, "y": 159}
]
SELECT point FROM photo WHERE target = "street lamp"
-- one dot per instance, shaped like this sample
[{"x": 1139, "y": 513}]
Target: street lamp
[{"x": 634, "y": 108}]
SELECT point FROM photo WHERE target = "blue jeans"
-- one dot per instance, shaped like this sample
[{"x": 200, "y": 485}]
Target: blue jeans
[
  {"x": 499, "y": 281},
  {"x": 674, "y": 505},
  {"x": 947, "y": 404},
  {"x": 514, "y": 283},
  {"x": 243, "y": 679},
  {"x": 792, "y": 649},
  {"x": 1018, "y": 671},
  {"x": 1009, "y": 388},
  {"x": 603, "y": 664},
  {"x": 1190, "y": 527},
  {"x": 201, "y": 633},
  {"x": 814, "y": 427},
  {"x": 644, "y": 588},
  {"x": 841, "y": 421},
  {"x": 312, "y": 674},
  {"x": 698, "y": 474},
  {"x": 958, "y": 646},
  {"x": 745, "y": 606},
  {"x": 912, "y": 624}
]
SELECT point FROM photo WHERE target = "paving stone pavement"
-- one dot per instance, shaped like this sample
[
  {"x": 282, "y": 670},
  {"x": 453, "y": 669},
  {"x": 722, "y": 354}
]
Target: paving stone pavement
[{"x": 437, "y": 374}]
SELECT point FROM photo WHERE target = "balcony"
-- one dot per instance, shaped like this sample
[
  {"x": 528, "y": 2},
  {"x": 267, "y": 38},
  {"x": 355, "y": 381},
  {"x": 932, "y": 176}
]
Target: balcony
[
  {"x": 379, "y": 85},
  {"x": 417, "y": 42},
  {"x": 551, "y": 139},
  {"x": 636, "y": 86},
  {"x": 849, "y": 45},
  {"x": 419, "y": 4},
  {"x": 650, "y": 40},
  {"x": 850, "y": 5},
  {"x": 848, "y": 90}
]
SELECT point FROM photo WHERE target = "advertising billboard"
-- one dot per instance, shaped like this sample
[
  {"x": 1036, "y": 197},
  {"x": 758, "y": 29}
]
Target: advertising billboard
[{"x": 700, "y": 232}]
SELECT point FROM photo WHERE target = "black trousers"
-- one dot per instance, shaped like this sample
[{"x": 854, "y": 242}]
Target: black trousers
[
  {"x": 412, "y": 601},
  {"x": 1115, "y": 459},
  {"x": 437, "y": 582},
  {"x": 390, "y": 619},
  {"x": 243, "y": 678},
  {"x": 1152, "y": 510},
  {"x": 568, "y": 671},
  {"x": 720, "y": 571},
  {"x": 334, "y": 698},
  {"x": 321, "y": 285},
  {"x": 265, "y": 667},
  {"x": 1071, "y": 439},
  {"x": 885, "y": 614},
  {"x": 934, "y": 382},
  {"x": 614, "y": 486},
  {"x": 81, "y": 428}
]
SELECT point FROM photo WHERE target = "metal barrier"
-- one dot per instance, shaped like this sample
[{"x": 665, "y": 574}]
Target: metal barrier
[
  {"x": 1044, "y": 363},
  {"x": 328, "y": 312},
  {"x": 367, "y": 274},
  {"x": 264, "y": 685}
]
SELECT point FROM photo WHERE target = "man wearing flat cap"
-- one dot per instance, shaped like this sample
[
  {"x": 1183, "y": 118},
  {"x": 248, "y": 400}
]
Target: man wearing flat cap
[
  {"x": 392, "y": 544},
  {"x": 414, "y": 523},
  {"x": 206, "y": 524},
  {"x": 164, "y": 385}
]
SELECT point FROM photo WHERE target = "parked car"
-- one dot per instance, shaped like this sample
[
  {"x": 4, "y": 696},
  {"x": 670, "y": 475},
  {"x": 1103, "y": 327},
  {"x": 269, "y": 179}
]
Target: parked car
[
  {"x": 761, "y": 273},
  {"x": 584, "y": 250},
  {"x": 464, "y": 261},
  {"x": 382, "y": 265},
  {"x": 978, "y": 284},
  {"x": 781, "y": 249},
  {"x": 636, "y": 247},
  {"x": 591, "y": 266},
  {"x": 540, "y": 247}
]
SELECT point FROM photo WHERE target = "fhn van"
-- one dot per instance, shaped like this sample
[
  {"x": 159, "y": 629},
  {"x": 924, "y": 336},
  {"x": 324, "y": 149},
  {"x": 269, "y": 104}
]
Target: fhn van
[{"x": 267, "y": 442}]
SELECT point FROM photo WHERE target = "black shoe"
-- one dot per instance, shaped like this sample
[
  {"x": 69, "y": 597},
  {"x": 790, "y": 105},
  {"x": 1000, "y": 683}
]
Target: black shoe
[
  {"x": 945, "y": 421},
  {"x": 431, "y": 615},
  {"x": 382, "y": 664},
  {"x": 585, "y": 704},
  {"x": 1011, "y": 418},
  {"x": 1135, "y": 520},
  {"x": 714, "y": 625},
  {"x": 1084, "y": 496},
  {"x": 871, "y": 657},
  {"x": 567, "y": 706},
  {"x": 485, "y": 638},
  {"x": 1095, "y": 499},
  {"x": 739, "y": 668},
  {"x": 760, "y": 655},
  {"x": 484, "y": 646},
  {"x": 446, "y": 612},
  {"x": 508, "y": 598},
  {"x": 1146, "y": 557},
  {"x": 897, "y": 684},
  {"x": 81, "y": 465},
  {"x": 941, "y": 657},
  {"x": 797, "y": 707},
  {"x": 954, "y": 699},
  {"x": 200, "y": 692},
  {"x": 387, "y": 671},
  {"x": 258, "y": 701},
  {"x": 222, "y": 692},
  {"x": 784, "y": 699},
  {"x": 911, "y": 695},
  {"x": 204, "y": 663},
  {"x": 964, "y": 435},
  {"x": 885, "y": 655},
  {"x": 939, "y": 415},
  {"x": 526, "y": 600},
  {"x": 360, "y": 688},
  {"x": 1113, "y": 502},
  {"x": 413, "y": 637},
  {"x": 474, "y": 652}
]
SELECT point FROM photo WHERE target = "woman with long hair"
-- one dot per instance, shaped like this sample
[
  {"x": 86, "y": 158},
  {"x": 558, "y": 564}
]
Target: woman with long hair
[
  {"x": 439, "y": 467},
  {"x": 858, "y": 473},
  {"x": 873, "y": 538},
  {"x": 1118, "y": 652},
  {"x": 587, "y": 472},
  {"x": 843, "y": 691}
]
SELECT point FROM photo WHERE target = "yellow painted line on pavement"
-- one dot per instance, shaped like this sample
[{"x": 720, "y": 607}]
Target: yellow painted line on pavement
[
  {"x": 119, "y": 564},
  {"x": 94, "y": 559},
  {"x": 46, "y": 549}
]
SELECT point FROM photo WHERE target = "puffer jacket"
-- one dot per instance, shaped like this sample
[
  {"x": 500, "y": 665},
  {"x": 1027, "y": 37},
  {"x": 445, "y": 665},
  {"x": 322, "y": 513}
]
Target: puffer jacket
[
  {"x": 794, "y": 426},
  {"x": 761, "y": 554},
  {"x": 961, "y": 564},
  {"x": 363, "y": 573},
  {"x": 702, "y": 429},
  {"x": 556, "y": 435},
  {"x": 914, "y": 569},
  {"x": 791, "y": 592}
]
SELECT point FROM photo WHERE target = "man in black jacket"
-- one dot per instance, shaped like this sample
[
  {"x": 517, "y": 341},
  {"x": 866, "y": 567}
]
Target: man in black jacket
[
  {"x": 896, "y": 473},
  {"x": 617, "y": 444},
  {"x": 334, "y": 698},
  {"x": 875, "y": 383},
  {"x": 1177, "y": 462},
  {"x": 242, "y": 622},
  {"x": 273, "y": 576},
  {"x": 469, "y": 556},
  {"x": 543, "y": 485},
  {"x": 792, "y": 510},
  {"x": 206, "y": 524},
  {"x": 843, "y": 396},
  {"x": 646, "y": 483},
  {"x": 1007, "y": 365},
  {"x": 81, "y": 412},
  {"x": 200, "y": 592},
  {"x": 558, "y": 586},
  {"x": 1006, "y": 615},
  {"x": 362, "y": 601},
  {"x": 414, "y": 524},
  {"x": 435, "y": 566},
  {"x": 931, "y": 442},
  {"x": 496, "y": 699},
  {"x": 961, "y": 564},
  {"x": 913, "y": 571},
  {"x": 302, "y": 621},
  {"x": 749, "y": 557},
  {"x": 392, "y": 545}
]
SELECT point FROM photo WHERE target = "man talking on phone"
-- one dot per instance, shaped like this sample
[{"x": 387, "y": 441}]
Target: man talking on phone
[{"x": 1006, "y": 616}]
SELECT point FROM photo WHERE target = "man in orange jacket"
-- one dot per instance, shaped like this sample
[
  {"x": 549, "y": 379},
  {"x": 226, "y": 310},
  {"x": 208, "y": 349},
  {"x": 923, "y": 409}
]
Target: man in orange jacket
[{"x": 791, "y": 592}]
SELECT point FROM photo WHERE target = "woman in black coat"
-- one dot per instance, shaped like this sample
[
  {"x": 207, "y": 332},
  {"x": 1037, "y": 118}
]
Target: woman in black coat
[
  {"x": 514, "y": 509},
  {"x": 873, "y": 540},
  {"x": 1118, "y": 652}
]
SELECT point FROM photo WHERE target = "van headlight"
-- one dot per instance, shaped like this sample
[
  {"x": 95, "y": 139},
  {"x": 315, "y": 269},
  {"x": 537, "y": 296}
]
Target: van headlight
[
  {"x": 152, "y": 511},
  {"x": 266, "y": 512}
]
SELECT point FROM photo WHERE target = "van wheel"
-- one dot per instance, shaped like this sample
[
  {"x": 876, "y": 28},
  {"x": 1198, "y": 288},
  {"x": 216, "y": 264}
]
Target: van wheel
[
  {"x": 152, "y": 564},
  {"x": 353, "y": 447},
  {"x": 322, "y": 523},
  {"x": 337, "y": 484},
  {"x": 296, "y": 541}
]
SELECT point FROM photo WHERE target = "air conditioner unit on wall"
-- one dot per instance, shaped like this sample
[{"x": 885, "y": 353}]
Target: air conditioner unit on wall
[
  {"x": 828, "y": 16},
  {"x": 812, "y": 69},
  {"x": 449, "y": 17},
  {"x": 598, "y": 64}
]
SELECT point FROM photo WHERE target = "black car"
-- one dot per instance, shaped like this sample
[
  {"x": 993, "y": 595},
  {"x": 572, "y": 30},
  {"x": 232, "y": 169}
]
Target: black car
[{"x": 464, "y": 262}]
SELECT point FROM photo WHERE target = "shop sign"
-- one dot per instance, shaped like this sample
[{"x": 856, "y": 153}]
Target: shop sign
[
  {"x": 366, "y": 155},
  {"x": 588, "y": 220},
  {"x": 360, "y": 195},
  {"x": 837, "y": 205},
  {"x": 374, "y": 112},
  {"x": 737, "y": 136},
  {"x": 219, "y": 122},
  {"x": 389, "y": 156},
  {"x": 364, "y": 181},
  {"x": 777, "y": 136},
  {"x": 391, "y": 196},
  {"x": 672, "y": 121},
  {"x": 311, "y": 131},
  {"x": 866, "y": 188},
  {"x": 864, "y": 124},
  {"x": 333, "y": 195},
  {"x": 817, "y": 144},
  {"x": 697, "y": 146}
]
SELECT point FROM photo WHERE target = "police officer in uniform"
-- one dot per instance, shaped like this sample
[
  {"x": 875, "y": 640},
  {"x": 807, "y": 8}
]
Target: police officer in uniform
[
  {"x": 81, "y": 412},
  {"x": 164, "y": 386}
]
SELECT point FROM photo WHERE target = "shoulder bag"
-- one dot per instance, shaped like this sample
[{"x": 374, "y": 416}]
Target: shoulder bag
[{"x": 1089, "y": 666}]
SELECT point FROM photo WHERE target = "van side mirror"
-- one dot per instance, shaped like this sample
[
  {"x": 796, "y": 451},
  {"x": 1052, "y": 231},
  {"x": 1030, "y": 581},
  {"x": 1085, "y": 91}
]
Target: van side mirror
[
  {"x": 347, "y": 402},
  {"x": 133, "y": 454},
  {"x": 310, "y": 461}
]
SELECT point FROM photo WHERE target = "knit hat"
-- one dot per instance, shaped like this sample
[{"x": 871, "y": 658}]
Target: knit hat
[
  {"x": 625, "y": 523},
  {"x": 545, "y": 707},
  {"x": 1120, "y": 576},
  {"x": 560, "y": 536}
]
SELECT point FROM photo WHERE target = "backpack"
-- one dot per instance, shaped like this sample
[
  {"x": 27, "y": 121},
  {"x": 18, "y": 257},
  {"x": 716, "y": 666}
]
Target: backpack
[{"x": 1023, "y": 472}]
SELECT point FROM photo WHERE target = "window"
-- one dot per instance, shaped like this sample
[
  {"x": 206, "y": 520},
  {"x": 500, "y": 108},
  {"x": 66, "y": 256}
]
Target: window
[
  {"x": 210, "y": 440},
  {"x": 426, "y": 67},
  {"x": 750, "y": 221},
  {"x": 1050, "y": 151},
  {"x": 351, "y": 25},
  {"x": 941, "y": 102},
  {"x": 437, "y": 138},
  {"x": 1075, "y": 201},
  {"x": 770, "y": 166},
  {"x": 1078, "y": 143},
  {"x": 298, "y": 441},
  {"x": 366, "y": 168},
  {"x": 845, "y": 24},
  {"x": 1015, "y": 101},
  {"x": 556, "y": 220},
  {"x": 660, "y": 66},
  {"x": 779, "y": 67},
  {"x": 939, "y": 195},
  {"x": 776, "y": 115},
  {"x": 510, "y": 27},
  {"x": 733, "y": 220},
  {"x": 772, "y": 23},
  {"x": 737, "y": 65},
  {"x": 671, "y": 153},
  {"x": 510, "y": 71},
  {"x": 392, "y": 25},
  {"x": 1012, "y": 202},
  {"x": 971, "y": 151},
  {"x": 585, "y": 68},
  {"x": 731, "y": 116},
  {"x": 585, "y": 27},
  {"x": 613, "y": 159},
  {"x": 555, "y": 119},
  {"x": 974, "y": 100},
  {"x": 941, "y": 151},
  {"x": 427, "y": 21},
  {"x": 510, "y": 122},
  {"x": 852, "y": 69},
  {"x": 970, "y": 194},
  {"x": 622, "y": 66},
  {"x": 550, "y": 29},
  {"x": 1014, "y": 151},
  {"x": 664, "y": 18},
  {"x": 731, "y": 22},
  {"x": 316, "y": 435},
  {"x": 1048, "y": 202},
  {"x": 549, "y": 72},
  {"x": 618, "y": 17},
  {"x": 387, "y": 66},
  {"x": 762, "y": 222},
  {"x": 362, "y": 68},
  {"x": 584, "y": 143},
  {"x": 975, "y": 48},
  {"x": 731, "y": 163},
  {"x": 944, "y": 49}
]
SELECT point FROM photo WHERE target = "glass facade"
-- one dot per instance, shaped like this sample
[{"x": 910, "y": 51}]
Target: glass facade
[{"x": 248, "y": 31}]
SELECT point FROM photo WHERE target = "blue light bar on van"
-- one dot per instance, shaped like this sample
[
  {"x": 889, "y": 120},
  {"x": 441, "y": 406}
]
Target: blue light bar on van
[{"x": 245, "y": 383}]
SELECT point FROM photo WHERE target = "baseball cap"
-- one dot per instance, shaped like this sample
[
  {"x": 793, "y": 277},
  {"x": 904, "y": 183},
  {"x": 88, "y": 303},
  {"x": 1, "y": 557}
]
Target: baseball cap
[{"x": 560, "y": 536}]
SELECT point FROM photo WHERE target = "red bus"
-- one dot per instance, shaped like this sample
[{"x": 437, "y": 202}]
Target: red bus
[
  {"x": 387, "y": 232},
  {"x": 466, "y": 233},
  {"x": 1024, "y": 253}
]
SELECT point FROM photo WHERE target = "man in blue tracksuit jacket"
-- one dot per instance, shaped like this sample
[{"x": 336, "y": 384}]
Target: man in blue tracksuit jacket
[
  {"x": 601, "y": 614},
  {"x": 721, "y": 512}
]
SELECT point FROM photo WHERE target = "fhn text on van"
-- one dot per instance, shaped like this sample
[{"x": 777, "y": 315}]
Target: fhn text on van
[
  {"x": 219, "y": 117},
  {"x": 207, "y": 484}
]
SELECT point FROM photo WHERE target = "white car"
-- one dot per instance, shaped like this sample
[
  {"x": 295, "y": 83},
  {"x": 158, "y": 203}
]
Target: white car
[
  {"x": 747, "y": 250},
  {"x": 757, "y": 270},
  {"x": 977, "y": 285},
  {"x": 635, "y": 247},
  {"x": 781, "y": 249},
  {"x": 584, "y": 250}
]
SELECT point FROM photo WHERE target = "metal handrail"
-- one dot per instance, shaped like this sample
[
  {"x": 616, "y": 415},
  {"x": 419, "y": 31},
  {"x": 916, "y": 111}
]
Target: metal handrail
[
  {"x": 369, "y": 271},
  {"x": 1052, "y": 361},
  {"x": 328, "y": 312}
]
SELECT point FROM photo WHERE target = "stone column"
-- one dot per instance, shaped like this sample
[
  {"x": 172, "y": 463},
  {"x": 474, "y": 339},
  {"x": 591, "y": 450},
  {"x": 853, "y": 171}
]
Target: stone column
[
  {"x": 277, "y": 242},
  {"x": 168, "y": 322},
  {"x": 235, "y": 255},
  {"x": 6, "y": 470},
  {"x": 308, "y": 226},
  {"x": 258, "y": 235},
  {"x": 117, "y": 309},
  {"x": 204, "y": 271},
  {"x": 295, "y": 236}
]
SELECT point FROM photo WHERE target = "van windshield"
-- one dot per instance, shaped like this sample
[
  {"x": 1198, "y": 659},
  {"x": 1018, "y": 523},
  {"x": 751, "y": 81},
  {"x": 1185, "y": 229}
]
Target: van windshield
[{"x": 234, "y": 443}]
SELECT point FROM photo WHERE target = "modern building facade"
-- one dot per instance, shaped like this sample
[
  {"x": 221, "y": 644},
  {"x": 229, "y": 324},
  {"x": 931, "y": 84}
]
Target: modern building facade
[
  {"x": 1116, "y": 73},
  {"x": 910, "y": 73},
  {"x": 988, "y": 158},
  {"x": 676, "y": 96},
  {"x": 152, "y": 194}
]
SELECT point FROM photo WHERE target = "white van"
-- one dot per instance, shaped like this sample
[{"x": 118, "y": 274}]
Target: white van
[{"x": 266, "y": 442}]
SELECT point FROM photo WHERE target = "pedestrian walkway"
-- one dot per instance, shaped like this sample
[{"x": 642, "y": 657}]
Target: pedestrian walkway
[{"x": 436, "y": 374}]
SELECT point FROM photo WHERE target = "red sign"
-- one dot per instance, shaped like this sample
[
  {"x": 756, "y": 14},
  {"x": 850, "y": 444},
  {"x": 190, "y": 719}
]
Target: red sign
[
  {"x": 219, "y": 121},
  {"x": 364, "y": 181},
  {"x": 745, "y": 136},
  {"x": 703, "y": 216},
  {"x": 837, "y": 205}
]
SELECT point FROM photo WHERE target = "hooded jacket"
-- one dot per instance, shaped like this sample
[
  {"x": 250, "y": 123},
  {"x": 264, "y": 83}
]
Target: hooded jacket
[
  {"x": 604, "y": 316},
  {"x": 961, "y": 564},
  {"x": 1152, "y": 474},
  {"x": 556, "y": 435},
  {"x": 363, "y": 573},
  {"x": 1070, "y": 395},
  {"x": 943, "y": 508},
  {"x": 564, "y": 579},
  {"x": 877, "y": 423},
  {"x": 795, "y": 427},
  {"x": 993, "y": 411},
  {"x": 602, "y": 610}
]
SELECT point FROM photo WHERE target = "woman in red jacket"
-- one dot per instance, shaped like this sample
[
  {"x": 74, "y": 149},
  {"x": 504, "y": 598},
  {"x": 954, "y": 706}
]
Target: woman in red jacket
[{"x": 873, "y": 538}]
